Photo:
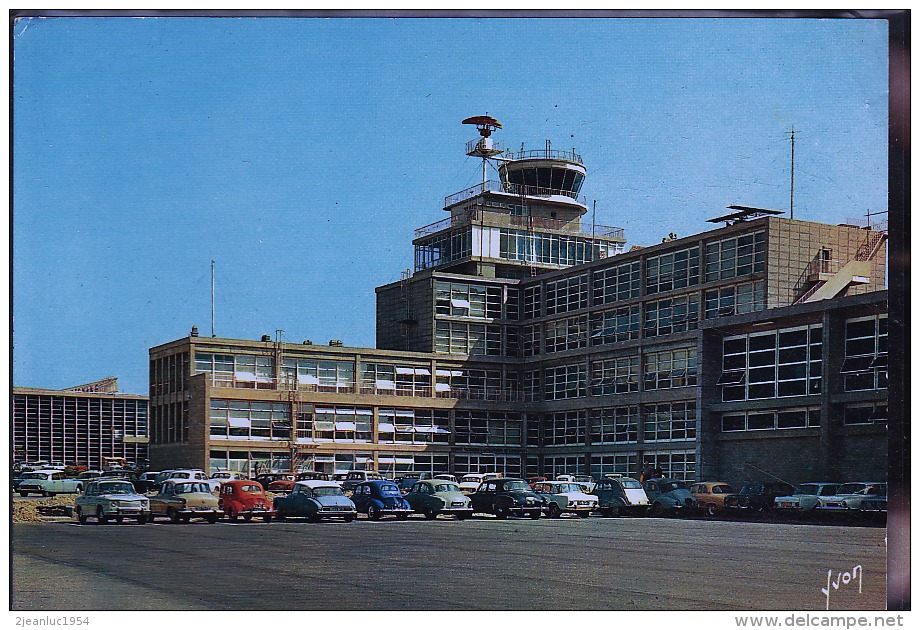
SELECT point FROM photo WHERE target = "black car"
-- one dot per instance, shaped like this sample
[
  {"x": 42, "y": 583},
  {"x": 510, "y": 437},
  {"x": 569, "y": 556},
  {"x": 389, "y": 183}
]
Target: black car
[
  {"x": 757, "y": 497},
  {"x": 508, "y": 497}
]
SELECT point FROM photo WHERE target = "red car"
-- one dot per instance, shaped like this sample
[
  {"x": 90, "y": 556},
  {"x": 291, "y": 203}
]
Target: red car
[
  {"x": 286, "y": 485},
  {"x": 246, "y": 499}
]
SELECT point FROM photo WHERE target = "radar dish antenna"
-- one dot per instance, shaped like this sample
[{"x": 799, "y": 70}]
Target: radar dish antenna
[{"x": 483, "y": 148}]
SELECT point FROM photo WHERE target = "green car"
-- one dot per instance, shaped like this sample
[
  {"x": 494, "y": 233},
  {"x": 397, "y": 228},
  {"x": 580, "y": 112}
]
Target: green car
[{"x": 436, "y": 496}]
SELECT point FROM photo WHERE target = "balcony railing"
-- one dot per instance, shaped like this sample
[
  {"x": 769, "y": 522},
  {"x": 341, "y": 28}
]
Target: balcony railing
[
  {"x": 482, "y": 393},
  {"x": 500, "y": 219},
  {"x": 563, "y": 226},
  {"x": 511, "y": 189},
  {"x": 823, "y": 265},
  {"x": 544, "y": 154}
]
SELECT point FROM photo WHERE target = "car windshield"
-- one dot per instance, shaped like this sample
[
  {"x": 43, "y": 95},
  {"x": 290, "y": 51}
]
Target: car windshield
[
  {"x": 447, "y": 487},
  {"x": 389, "y": 489},
  {"x": 188, "y": 488},
  {"x": 220, "y": 476},
  {"x": 806, "y": 489},
  {"x": 34, "y": 476},
  {"x": 721, "y": 489},
  {"x": 251, "y": 488},
  {"x": 631, "y": 484},
  {"x": 858, "y": 488},
  {"x": 568, "y": 487},
  {"x": 470, "y": 479},
  {"x": 519, "y": 486},
  {"x": 328, "y": 491},
  {"x": 752, "y": 488},
  {"x": 89, "y": 475},
  {"x": 116, "y": 488},
  {"x": 670, "y": 486}
]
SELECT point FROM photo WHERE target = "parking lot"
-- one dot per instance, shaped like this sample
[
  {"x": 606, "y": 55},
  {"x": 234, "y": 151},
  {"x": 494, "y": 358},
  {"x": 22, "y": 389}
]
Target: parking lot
[{"x": 484, "y": 563}]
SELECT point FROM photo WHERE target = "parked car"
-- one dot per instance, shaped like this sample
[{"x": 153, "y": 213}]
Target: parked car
[
  {"x": 181, "y": 500},
  {"x": 668, "y": 496},
  {"x": 710, "y": 495},
  {"x": 439, "y": 496},
  {"x": 146, "y": 482},
  {"x": 406, "y": 484},
  {"x": 876, "y": 505},
  {"x": 315, "y": 499},
  {"x": 267, "y": 479},
  {"x": 565, "y": 497},
  {"x": 445, "y": 477},
  {"x": 380, "y": 497},
  {"x": 287, "y": 484},
  {"x": 196, "y": 475},
  {"x": 356, "y": 477},
  {"x": 757, "y": 497},
  {"x": 243, "y": 498},
  {"x": 223, "y": 476},
  {"x": 532, "y": 481},
  {"x": 471, "y": 482},
  {"x": 48, "y": 482},
  {"x": 111, "y": 499},
  {"x": 852, "y": 495},
  {"x": 88, "y": 475},
  {"x": 508, "y": 497},
  {"x": 162, "y": 476},
  {"x": 617, "y": 495},
  {"x": 586, "y": 482},
  {"x": 804, "y": 499}
]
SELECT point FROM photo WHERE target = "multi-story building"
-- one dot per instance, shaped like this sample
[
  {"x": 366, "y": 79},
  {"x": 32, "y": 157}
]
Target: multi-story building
[
  {"x": 79, "y": 426},
  {"x": 602, "y": 359}
]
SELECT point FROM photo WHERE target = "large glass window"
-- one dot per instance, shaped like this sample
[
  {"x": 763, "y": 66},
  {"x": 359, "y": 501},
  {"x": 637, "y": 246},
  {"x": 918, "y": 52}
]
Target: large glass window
[
  {"x": 670, "y": 368},
  {"x": 676, "y": 464},
  {"x": 624, "y": 464},
  {"x": 567, "y": 334},
  {"x": 320, "y": 376},
  {"x": 475, "y": 384},
  {"x": 413, "y": 426},
  {"x": 738, "y": 299},
  {"x": 670, "y": 421},
  {"x": 566, "y": 381},
  {"x": 531, "y": 339},
  {"x": 865, "y": 363},
  {"x": 778, "y": 363},
  {"x": 568, "y": 294},
  {"x": 488, "y": 427},
  {"x": 771, "y": 419},
  {"x": 249, "y": 420},
  {"x": 673, "y": 270},
  {"x": 616, "y": 283},
  {"x": 460, "y": 299},
  {"x": 334, "y": 423},
  {"x": 548, "y": 249},
  {"x": 398, "y": 380},
  {"x": 566, "y": 427},
  {"x": 505, "y": 465},
  {"x": 738, "y": 256},
  {"x": 242, "y": 370},
  {"x": 443, "y": 248},
  {"x": 532, "y": 389},
  {"x": 672, "y": 315},
  {"x": 555, "y": 465},
  {"x": 531, "y": 302},
  {"x": 466, "y": 338},
  {"x": 615, "y": 376},
  {"x": 410, "y": 464},
  {"x": 866, "y": 413},
  {"x": 620, "y": 324},
  {"x": 614, "y": 425}
]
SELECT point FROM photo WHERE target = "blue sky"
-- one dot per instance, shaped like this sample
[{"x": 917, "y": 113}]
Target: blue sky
[{"x": 300, "y": 154}]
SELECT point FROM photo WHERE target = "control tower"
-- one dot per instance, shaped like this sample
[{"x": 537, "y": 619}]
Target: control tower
[{"x": 530, "y": 219}]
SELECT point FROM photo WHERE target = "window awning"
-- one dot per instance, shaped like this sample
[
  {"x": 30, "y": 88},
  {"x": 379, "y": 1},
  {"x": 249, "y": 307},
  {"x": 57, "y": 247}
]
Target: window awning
[
  {"x": 732, "y": 378},
  {"x": 244, "y": 376},
  {"x": 345, "y": 426},
  {"x": 386, "y": 427},
  {"x": 457, "y": 303},
  {"x": 323, "y": 426},
  {"x": 384, "y": 384},
  {"x": 307, "y": 379},
  {"x": 240, "y": 422},
  {"x": 441, "y": 387},
  {"x": 857, "y": 364},
  {"x": 450, "y": 372},
  {"x": 404, "y": 370}
]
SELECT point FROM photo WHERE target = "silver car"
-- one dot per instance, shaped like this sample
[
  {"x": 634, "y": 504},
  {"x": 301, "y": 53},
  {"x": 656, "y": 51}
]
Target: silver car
[
  {"x": 111, "y": 499},
  {"x": 805, "y": 498}
]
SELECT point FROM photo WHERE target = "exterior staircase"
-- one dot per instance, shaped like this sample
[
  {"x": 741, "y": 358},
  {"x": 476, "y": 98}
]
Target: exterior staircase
[{"x": 831, "y": 277}]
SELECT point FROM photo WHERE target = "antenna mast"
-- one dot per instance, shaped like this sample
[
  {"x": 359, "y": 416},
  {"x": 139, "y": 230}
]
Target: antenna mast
[
  {"x": 792, "y": 177},
  {"x": 484, "y": 147},
  {"x": 212, "y": 298}
]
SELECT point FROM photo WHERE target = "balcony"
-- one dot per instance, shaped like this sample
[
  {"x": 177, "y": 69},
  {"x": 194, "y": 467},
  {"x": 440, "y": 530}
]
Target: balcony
[
  {"x": 501, "y": 219},
  {"x": 517, "y": 190},
  {"x": 544, "y": 154}
]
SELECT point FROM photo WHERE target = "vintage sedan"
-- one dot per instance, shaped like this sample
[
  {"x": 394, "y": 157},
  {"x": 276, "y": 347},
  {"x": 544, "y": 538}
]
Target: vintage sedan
[
  {"x": 355, "y": 477},
  {"x": 668, "y": 496},
  {"x": 111, "y": 499},
  {"x": 565, "y": 497},
  {"x": 287, "y": 484},
  {"x": 805, "y": 498},
  {"x": 757, "y": 497},
  {"x": 315, "y": 500},
  {"x": 851, "y": 496},
  {"x": 617, "y": 495},
  {"x": 244, "y": 499},
  {"x": 196, "y": 475},
  {"x": 379, "y": 498},
  {"x": 436, "y": 496},
  {"x": 710, "y": 495},
  {"x": 48, "y": 482},
  {"x": 508, "y": 497},
  {"x": 470, "y": 483},
  {"x": 181, "y": 500}
]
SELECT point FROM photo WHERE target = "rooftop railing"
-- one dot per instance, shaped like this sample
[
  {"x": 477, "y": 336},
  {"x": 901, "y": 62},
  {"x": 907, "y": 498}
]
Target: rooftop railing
[
  {"x": 544, "y": 154},
  {"x": 511, "y": 189},
  {"x": 599, "y": 231}
]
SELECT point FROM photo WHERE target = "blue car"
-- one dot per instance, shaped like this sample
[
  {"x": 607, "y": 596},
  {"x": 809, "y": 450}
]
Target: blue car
[
  {"x": 315, "y": 499},
  {"x": 379, "y": 498}
]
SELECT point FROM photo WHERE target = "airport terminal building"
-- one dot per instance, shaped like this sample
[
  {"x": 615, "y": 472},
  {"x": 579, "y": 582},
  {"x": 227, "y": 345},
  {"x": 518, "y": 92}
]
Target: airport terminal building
[{"x": 528, "y": 341}]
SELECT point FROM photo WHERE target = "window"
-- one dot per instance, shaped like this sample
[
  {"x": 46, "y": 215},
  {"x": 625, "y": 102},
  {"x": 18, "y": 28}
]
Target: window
[
  {"x": 876, "y": 413},
  {"x": 548, "y": 249},
  {"x": 531, "y": 302},
  {"x": 506, "y": 465},
  {"x": 492, "y": 428},
  {"x": 532, "y": 389},
  {"x": 319, "y": 376},
  {"x": 614, "y": 464},
  {"x": 395, "y": 380},
  {"x": 413, "y": 426},
  {"x": 567, "y": 334},
  {"x": 733, "y": 257},
  {"x": 770, "y": 420},
  {"x": 249, "y": 420},
  {"x": 475, "y": 384},
  {"x": 614, "y": 425},
  {"x": 738, "y": 299},
  {"x": 567, "y": 381},
  {"x": 670, "y": 421},
  {"x": 565, "y": 428},
  {"x": 530, "y": 343},
  {"x": 566, "y": 295},
  {"x": 666, "y": 369},
  {"x": 673, "y": 315},
  {"x": 619, "y": 324},
  {"x": 443, "y": 248},
  {"x": 773, "y": 364},
  {"x": 616, "y": 283},
  {"x": 554, "y": 465},
  {"x": 676, "y": 464},
  {"x": 673, "y": 270},
  {"x": 865, "y": 363},
  {"x": 465, "y": 338},
  {"x": 615, "y": 376},
  {"x": 457, "y": 299}
]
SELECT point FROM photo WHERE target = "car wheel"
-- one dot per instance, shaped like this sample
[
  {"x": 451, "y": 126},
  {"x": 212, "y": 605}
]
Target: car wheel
[
  {"x": 233, "y": 516},
  {"x": 186, "y": 518},
  {"x": 584, "y": 514},
  {"x": 535, "y": 514},
  {"x": 501, "y": 511},
  {"x": 349, "y": 518},
  {"x": 267, "y": 518},
  {"x": 373, "y": 512},
  {"x": 279, "y": 516},
  {"x": 314, "y": 518},
  {"x": 462, "y": 516},
  {"x": 554, "y": 511},
  {"x": 211, "y": 518},
  {"x": 23, "y": 494},
  {"x": 119, "y": 519},
  {"x": 81, "y": 517},
  {"x": 173, "y": 515},
  {"x": 100, "y": 516},
  {"x": 430, "y": 514},
  {"x": 402, "y": 516},
  {"x": 656, "y": 509},
  {"x": 711, "y": 509},
  {"x": 247, "y": 517}
]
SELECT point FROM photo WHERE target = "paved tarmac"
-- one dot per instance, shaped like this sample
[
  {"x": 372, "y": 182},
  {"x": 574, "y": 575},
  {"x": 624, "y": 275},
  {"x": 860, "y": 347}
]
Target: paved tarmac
[{"x": 480, "y": 564}]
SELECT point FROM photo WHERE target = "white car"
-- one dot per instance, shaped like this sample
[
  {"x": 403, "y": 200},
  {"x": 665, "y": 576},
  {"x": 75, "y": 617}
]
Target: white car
[
  {"x": 223, "y": 476},
  {"x": 565, "y": 497},
  {"x": 470, "y": 483},
  {"x": 585, "y": 481},
  {"x": 111, "y": 499},
  {"x": 849, "y": 496},
  {"x": 196, "y": 475},
  {"x": 446, "y": 477},
  {"x": 49, "y": 482},
  {"x": 805, "y": 497}
]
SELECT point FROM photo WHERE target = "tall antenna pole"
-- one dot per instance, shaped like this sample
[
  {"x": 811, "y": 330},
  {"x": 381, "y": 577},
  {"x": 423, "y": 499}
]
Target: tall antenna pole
[
  {"x": 792, "y": 178},
  {"x": 212, "y": 299}
]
